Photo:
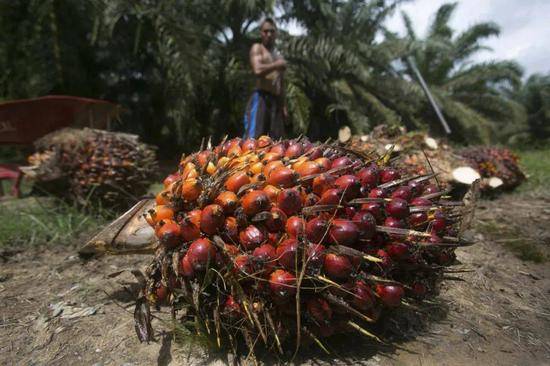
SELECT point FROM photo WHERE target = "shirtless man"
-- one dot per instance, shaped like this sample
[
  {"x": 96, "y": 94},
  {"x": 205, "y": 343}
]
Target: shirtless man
[{"x": 266, "y": 108}]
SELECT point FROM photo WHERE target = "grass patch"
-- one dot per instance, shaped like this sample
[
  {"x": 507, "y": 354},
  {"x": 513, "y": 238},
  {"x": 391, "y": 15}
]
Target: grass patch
[
  {"x": 42, "y": 221},
  {"x": 537, "y": 167},
  {"x": 512, "y": 238}
]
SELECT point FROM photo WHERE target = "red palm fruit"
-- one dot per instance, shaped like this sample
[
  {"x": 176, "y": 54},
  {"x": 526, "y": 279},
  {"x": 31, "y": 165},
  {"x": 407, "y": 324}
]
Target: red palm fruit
[
  {"x": 212, "y": 219},
  {"x": 403, "y": 192},
  {"x": 161, "y": 293},
  {"x": 200, "y": 253},
  {"x": 282, "y": 177},
  {"x": 234, "y": 151},
  {"x": 332, "y": 196},
  {"x": 286, "y": 253},
  {"x": 319, "y": 309},
  {"x": 230, "y": 230},
  {"x": 317, "y": 230},
  {"x": 350, "y": 184},
  {"x": 430, "y": 188},
  {"x": 294, "y": 150},
  {"x": 418, "y": 220},
  {"x": 422, "y": 202},
  {"x": 349, "y": 211},
  {"x": 389, "y": 174},
  {"x": 186, "y": 269},
  {"x": 337, "y": 267},
  {"x": 390, "y": 294},
  {"x": 194, "y": 216},
  {"x": 308, "y": 168},
  {"x": 382, "y": 254},
  {"x": 315, "y": 256},
  {"x": 231, "y": 308},
  {"x": 266, "y": 256},
  {"x": 343, "y": 232},
  {"x": 416, "y": 187},
  {"x": 378, "y": 193},
  {"x": 189, "y": 171},
  {"x": 160, "y": 212},
  {"x": 256, "y": 168},
  {"x": 323, "y": 163},
  {"x": 243, "y": 265},
  {"x": 163, "y": 197},
  {"x": 203, "y": 157},
  {"x": 251, "y": 237},
  {"x": 439, "y": 223},
  {"x": 282, "y": 284},
  {"x": 274, "y": 238},
  {"x": 366, "y": 223},
  {"x": 249, "y": 145},
  {"x": 271, "y": 166},
  {"x": 289, "y": 201},
  {"x": 363, "y": 297},
  {"x": 254, "y": 202},
  {"x": 271, "y": 156},
  {"x": 295, "y": 226},
  {"x": 191, "y": 189},
  {"x": 277, "y": 220},
  {"x": 395, "y": 223},
  {"x": 369, "y": 176},
  {"x": 397, "y": 251},
  {"x": 419, "y": 290},
  {"x": 278, "y": 149},
  {"x": 264, "y": 140},
  {"x": 272, "y": 192},
  {"x": 228, "y": 201},
  {"x": 398, "y": 208},
  {"x": 189, "y": 231},
  {"x": 170, "y": 179},
  {"x": 340, "y": 162},
  {"x": 323, "y": 182},
  {"x": 236, "y": 181},
  {"x": 375, "y": 208},
  {"x": 231, "y": 143},
  {"x": 169, "y": 233}
]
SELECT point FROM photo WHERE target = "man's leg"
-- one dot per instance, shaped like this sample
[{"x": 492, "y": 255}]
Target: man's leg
[
  {"x": 277, "y": 127},
  {"x": 255, "y": 116}
]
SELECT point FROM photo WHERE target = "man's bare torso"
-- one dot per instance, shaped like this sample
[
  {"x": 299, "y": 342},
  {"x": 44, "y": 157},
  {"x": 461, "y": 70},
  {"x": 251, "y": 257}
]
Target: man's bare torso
[{"x": 272, "y": 82}]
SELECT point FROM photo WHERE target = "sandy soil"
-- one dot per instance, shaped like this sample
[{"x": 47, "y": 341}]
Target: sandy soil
[{"x": 58, "y": 310}]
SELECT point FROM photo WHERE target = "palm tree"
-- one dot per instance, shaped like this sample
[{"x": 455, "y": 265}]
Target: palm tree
[
  {"x": 341, "y": 66},
  {"x": 535, "y": 96},
  {"x": 471, "y": 94}
]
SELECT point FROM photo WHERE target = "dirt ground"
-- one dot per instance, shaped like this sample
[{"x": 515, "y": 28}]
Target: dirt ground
[{"x": 58, "y": 310}]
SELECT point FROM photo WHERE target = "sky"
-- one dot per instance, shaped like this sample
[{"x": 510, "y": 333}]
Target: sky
[{"x": 525, "y": 27}]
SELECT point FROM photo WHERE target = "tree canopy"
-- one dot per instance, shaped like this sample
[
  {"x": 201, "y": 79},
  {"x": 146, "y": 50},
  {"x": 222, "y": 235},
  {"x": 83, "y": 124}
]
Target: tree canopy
[{"x": 180, "y": 67}]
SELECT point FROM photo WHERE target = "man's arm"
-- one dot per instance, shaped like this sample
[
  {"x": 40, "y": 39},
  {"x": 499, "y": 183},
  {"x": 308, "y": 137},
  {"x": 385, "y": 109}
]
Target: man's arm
[{"x": 258, "y": 67}]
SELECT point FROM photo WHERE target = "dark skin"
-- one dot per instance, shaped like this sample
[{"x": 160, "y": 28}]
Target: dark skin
[{"x": 267, "y": 67}]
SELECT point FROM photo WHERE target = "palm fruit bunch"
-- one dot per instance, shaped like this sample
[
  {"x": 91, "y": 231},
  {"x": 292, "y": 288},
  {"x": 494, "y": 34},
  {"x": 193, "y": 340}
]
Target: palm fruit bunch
[
  {"x": 420, "y": 154},
  {"x": 92, "y": 166},
  {"x": 499, "y": 165},
  {"x": 289, "y": 241}
]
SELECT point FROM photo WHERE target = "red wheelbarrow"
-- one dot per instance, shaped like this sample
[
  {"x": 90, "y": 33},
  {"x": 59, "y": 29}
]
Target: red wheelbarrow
[{"x": 24, "y": 121}]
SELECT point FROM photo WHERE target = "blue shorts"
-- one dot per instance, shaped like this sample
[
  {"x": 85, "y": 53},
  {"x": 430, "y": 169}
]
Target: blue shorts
[{"x": 263, "y": 116}]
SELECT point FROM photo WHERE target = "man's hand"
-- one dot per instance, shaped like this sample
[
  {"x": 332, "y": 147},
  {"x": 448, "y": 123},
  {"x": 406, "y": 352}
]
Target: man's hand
[
  {"x": 285, "y": 112},
  {"x": 280, "y": 64}
]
